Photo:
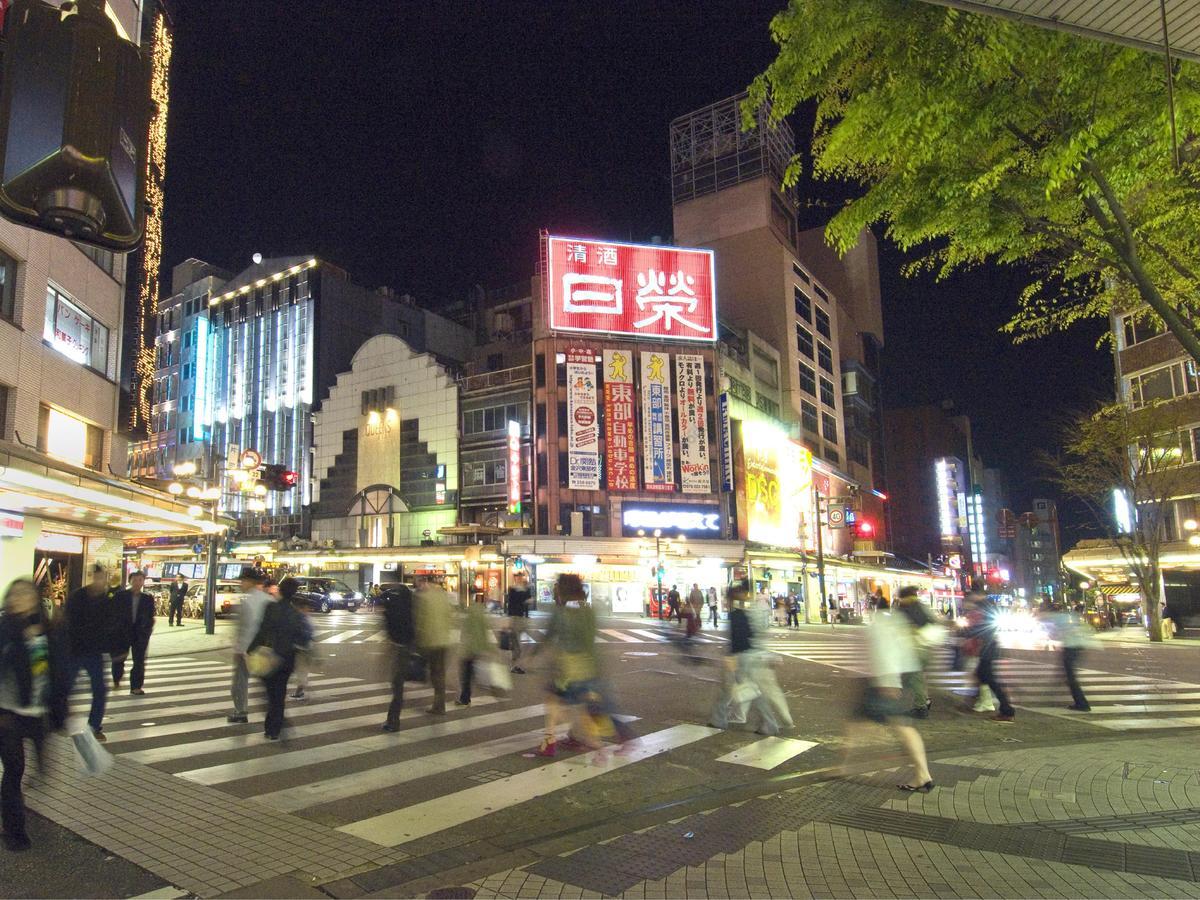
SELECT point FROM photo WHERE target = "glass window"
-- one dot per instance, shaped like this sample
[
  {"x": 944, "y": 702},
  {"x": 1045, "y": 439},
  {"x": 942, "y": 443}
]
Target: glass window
[
  {"x": 825, "y": 358},
  {"x": 827, "y": 395},
  {"x": 829, "y": 427},
  {"x": 802, "y": 302},
  {"x": 1157, "y": 385},
  {"x": 8, "y": 286},
  {"x": 69, "y": 438},
  {"x": 808, "y": 416},
  {"x": 74, "y": 333},
  {"x": 808, "y": 379},
  {"x": 804, "y": 340},
  {"x": 823, "y": 323}
]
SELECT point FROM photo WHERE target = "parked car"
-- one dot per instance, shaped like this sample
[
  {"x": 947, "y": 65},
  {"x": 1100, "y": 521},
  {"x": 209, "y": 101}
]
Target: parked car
[
  {"x": 229, "y": 595},
  {"x": 325, "y": 594}
]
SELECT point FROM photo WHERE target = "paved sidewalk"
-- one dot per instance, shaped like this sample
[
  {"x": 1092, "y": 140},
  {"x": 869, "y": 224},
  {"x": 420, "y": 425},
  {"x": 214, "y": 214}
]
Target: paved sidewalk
[
  {"x": 1106, "y": 819},
  {"x": 1138, "y": 636},
  {"x": 168, "y": 640}
]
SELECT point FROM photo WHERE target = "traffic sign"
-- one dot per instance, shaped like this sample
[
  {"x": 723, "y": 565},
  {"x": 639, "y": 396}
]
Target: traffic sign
[{"x": 837, "y": 517}]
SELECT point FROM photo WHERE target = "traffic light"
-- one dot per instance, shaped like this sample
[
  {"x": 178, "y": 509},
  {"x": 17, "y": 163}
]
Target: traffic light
[
  {"x": 277, "y": 478},
  {"x": 864, "y": 530},
  {"x": 74, "y": 114}
]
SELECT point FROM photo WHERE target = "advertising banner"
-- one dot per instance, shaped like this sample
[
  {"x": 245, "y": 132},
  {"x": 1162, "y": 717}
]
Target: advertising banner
[
  {"x": 658, "y": 456},
  {"x": 778, "y": 485},
  {"x": 695, "y": 469},
  {"x": 725, "y": 435},
  {"x": 639, "y": 290},
  {"x": 583, "y": 424},
  {"x": 620, "y": 433}
]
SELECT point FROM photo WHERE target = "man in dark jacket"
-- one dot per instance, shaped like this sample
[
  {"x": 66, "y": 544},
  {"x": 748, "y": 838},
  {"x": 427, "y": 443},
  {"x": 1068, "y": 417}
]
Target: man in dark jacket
[
  {"x": 135, "y": 618},
  {"x": 89, "y": 618},
  {"x": 397, "y": 603},
  {"x": 516, "y": 607},
  {"x": 178, "y": 591},
  {"x": 909, "y": 605}
]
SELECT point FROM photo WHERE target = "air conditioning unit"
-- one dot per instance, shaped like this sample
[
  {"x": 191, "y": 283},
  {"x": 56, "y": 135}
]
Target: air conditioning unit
[{"x": 329, "y": 544}]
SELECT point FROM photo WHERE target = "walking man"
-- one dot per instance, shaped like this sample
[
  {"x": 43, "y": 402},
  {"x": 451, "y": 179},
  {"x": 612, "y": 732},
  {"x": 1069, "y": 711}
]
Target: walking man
[
  {"x": 989, "y": 651},
  {"x": 696, "y": 603},
  {"x": 397, "y": 602},
  {"x": 135, "y": 613},
  {"x": 516, "y": 607},
  {"x": 910, "y": 607},
  {"x": 1074, "y": 640},
  {"x": 673, "y": 603},
  {"x": 793, "y": 611},
  {"x": 250, "y": 615},
  {"x": 712, "y": 606},
  {"x": 90, "y": 635},
  {"x": 433, "y": 638},
  {"x": 178, "y": 591}
]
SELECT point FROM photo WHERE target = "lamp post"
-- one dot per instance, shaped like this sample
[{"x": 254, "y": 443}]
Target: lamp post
[
  {"x": 208, "y": 495},
  {"x": 658, "y": 566}
]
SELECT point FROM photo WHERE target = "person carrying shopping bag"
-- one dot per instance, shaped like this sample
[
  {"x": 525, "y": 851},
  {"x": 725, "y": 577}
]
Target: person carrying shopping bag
[{"x": 271, "y": 656}]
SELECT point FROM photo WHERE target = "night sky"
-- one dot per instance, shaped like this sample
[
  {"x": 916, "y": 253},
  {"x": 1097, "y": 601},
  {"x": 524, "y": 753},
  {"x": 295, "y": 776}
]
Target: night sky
[{"x": 422, "y": 146}]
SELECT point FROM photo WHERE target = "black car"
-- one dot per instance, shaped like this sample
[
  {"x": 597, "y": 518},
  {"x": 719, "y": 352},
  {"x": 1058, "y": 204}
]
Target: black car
[{"x": 325, "y": 594}]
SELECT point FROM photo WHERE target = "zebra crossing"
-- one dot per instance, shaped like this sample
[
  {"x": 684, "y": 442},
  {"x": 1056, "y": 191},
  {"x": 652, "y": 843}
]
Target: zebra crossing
[
  {"x": 1119, "y": 702},
  {"x": 335, "y": 766},
  {"x": 363, "y": 628}
]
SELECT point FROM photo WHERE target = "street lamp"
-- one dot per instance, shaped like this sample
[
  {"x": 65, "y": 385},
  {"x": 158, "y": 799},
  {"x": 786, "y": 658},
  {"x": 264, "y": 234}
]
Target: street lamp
[{"x": 658, "y": 566}]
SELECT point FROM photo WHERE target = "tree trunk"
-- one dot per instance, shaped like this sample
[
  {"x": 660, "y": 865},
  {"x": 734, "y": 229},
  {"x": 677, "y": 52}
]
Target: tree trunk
[{"x": 1154, "y": 600}]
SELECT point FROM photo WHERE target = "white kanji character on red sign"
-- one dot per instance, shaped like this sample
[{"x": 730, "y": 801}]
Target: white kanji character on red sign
[{"x": 668, "y": 299}]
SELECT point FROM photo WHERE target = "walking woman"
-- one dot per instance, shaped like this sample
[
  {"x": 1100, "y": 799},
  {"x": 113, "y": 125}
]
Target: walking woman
[
  {"x": 571, "y": 637},
  {"x": 281, "y": 633},
  {"x": 33, "y": 695}
]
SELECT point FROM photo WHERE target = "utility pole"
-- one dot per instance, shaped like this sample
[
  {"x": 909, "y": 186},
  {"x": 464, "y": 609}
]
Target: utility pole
[{"x": 821, "y": 552}]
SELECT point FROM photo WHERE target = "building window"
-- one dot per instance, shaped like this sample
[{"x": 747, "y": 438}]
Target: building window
[
  {"x": 69, "y": 438},
  {"x": 829, "y": 427},
  {"x": 827, "y": 395},
  {"x": 104, "y": 259},
  {"x": 74, "y": 333},
  {"x": 808, "y": 379},
  {"x": 808, "y": 416},
  {"x": 803, "y": 303},
  {"x": 1176, "y": 380},
  {"x": 825, "y": 358},
  {"x": 378, "y": 399},
  {"x": 5, "y": 394},
  {"x": 494, "y": 418},
  {"x": 767, "y": 405},
  {"x": 800, "y": 273},
  {"x": 804, "y": 340},
  {"x": 8, "y": 286},
  {"x": 1140, "y": 328},
  {"x": 823, "y": 323}
]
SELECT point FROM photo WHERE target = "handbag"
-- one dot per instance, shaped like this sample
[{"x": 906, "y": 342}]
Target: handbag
[
  {"x": 505, "y": 639},
  {"x": 262, "y": 661},
  {"x": 495, "y": 674},
  {"x": 96, "y": 760},
  {"x": 417, "y": 668}
]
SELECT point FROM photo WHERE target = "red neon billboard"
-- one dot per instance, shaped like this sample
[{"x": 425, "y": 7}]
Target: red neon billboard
[{"x": 637, "y": 290}]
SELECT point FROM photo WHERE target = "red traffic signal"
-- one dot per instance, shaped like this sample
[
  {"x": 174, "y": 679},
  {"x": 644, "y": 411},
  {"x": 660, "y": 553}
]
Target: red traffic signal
[
  {"x": 865, "y": 529},
  {"x": 277, "y": 478}
]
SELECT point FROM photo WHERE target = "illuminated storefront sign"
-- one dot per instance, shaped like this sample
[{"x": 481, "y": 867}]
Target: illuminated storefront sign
[
  {"x": 674, "y": 519},
  {"x": 203, "y": 389},
  {"x": 779, "y": 481},
  {"x": 643, "y": 290},
  {"x": 620, "y": 436},
  {"x": 725, "y": 434},
  {"x": 514, "y": 468},
  {"x": 695, "y": 469},
  {"x": 11, "y": 525},
  {"x": 658, "y": 454},
  {"x": 583, "y": 422},
  {"x": 66, "y": 436},
  {"x": 952, "y": 506}
]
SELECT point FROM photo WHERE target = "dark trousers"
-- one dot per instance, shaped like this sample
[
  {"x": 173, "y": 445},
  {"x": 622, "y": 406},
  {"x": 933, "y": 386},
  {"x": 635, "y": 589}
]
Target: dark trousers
[
  {"x": 93, "y": 664},
  {"x": 436, "y": 659},
  {"x": 465, "y": 676},
  {"x": 137, "y": 673},
  {"x": 712, "y": 616},
  {"x": 276, "y": 687},
  {"x": 175, "y": 613},
  {"x": 793, "y": 618},
  {"x": 1070, "y": 658},
  {"x": 14, "y": 730},
  {"x": 400, "y": 657},
  {"x": 986, "y": 673}
]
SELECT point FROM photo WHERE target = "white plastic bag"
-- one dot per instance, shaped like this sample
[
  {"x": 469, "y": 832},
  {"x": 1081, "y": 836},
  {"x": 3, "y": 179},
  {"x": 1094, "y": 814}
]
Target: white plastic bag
[
  {"x": 494, "y": 674},
  {"x": 95, "y": 759}
]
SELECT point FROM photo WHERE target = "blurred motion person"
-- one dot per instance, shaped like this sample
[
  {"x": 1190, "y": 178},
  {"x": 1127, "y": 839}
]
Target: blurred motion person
[
  {"x": 516, "y": 607},
  {"x": 571, "y": 639},
  {"x": 891, "y": 653},
  {"x": 177, "y": 592},
  {"x": 134, "y": 622},
  {"x": 432, "y": 623},
  {"x": 397, "y": 603},
  {"x": 1074, "y": 638},
  {"x": 306, "y": 652},
  {"x": 474, "y": 644},
  {"x": 712, "y": 607},
  {"x": 34, "y": 667},
  {"x": 749, "y": 684},
  {"x": 251, "y": 607},
  {"x": 90, "y": 627},
  {"x": 281, "y": 630},
  {"x": 696, "y": 604},
  {"x": 919, "y": 618},
  {"x": 984, "y": 630}
]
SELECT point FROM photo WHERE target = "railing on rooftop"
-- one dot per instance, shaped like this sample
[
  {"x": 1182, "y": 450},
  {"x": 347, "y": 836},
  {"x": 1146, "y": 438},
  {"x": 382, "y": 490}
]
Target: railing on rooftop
[{"x": 498, "y": 378}]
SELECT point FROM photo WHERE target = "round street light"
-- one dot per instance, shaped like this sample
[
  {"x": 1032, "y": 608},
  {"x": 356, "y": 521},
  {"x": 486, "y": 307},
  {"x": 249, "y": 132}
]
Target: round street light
[
  {"x": 1190, "y": 525},
  {"x": 1194, "y": 540},
  {"x": 212, "y": 493},
  {"x": 193, "y": 492},
  {"x": 175, "y": 488},
  {"x": 260, "y": 489},
  {"x": 195, "y": 512}
]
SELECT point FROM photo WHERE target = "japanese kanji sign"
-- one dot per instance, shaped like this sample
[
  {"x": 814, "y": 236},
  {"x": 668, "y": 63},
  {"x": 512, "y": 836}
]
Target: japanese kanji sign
[
  {"x": 583, "y": 423},
  {"x": 658, "y": 455},
  {"x": 643, "y": 290},
  {"x": 620, "y": 434},
  {"x": 695, "y": 469}
]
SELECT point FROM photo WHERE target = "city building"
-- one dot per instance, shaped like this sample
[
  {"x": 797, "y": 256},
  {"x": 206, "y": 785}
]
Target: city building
[
  {"x": 258, "y": 361},
  {"x": 64, "y": 499},
  {"x": 1038, "y": 563}
]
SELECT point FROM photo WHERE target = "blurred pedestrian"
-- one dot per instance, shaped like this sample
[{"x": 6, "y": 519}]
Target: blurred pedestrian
[
  {"x": 305, "y": 652},
  {"x": 892, "y": 654},
  {"x": 253, "y": 604},
  {"x": 673, "y": 603},
  {"x": 475, "y": 643},
  {"x": 432, "y": 624},
  {"x": 34, "y": 668},
  {"x": 985, "y": 630},
  {"x": 696, "y": 604},
  {"x": 968, "y": 652},
  {"x": 90, "y": 629},
  {"x": 571, "y": 639},
  {"x": 134, "y": 620},
  {"x": 516, "y": 607},
  {"x": 281, "y": 631},
  {"x": 793, "y": 611},
  {"x": 748, "y": 684},
  {"x": 397, "y": 603},
  {"x": 919, "y": 618},
  {"x": 712, "y": 607},
  {"x": 1066, "y": 628},
  {"x": 177, "y": 592}
]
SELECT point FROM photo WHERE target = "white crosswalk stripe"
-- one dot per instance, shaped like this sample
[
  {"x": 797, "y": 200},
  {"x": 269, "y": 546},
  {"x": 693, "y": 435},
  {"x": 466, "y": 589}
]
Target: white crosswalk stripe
[
  {"x": 1119, "y": 702},
  {"x": 353, "y": 633}
]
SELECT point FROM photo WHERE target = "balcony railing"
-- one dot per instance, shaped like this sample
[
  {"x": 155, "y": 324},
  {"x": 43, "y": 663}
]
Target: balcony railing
[{"x": 499, "y": 378}]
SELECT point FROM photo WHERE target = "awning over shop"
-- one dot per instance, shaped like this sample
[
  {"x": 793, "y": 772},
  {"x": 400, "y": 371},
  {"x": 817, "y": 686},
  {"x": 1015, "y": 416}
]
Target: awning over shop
[{"x": 1120, "y": 591}]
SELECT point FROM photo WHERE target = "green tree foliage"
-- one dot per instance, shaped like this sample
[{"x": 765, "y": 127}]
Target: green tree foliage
[{"x": 979, "y": 139}]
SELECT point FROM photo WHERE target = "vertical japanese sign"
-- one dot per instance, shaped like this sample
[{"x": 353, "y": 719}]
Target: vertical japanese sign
[
  {"x": 620, "y": 440},
  {"x": 658, "y": 456},
  {"x": 725, "y": 435},
  {"x": 695, "y": 469},
  {"x": 514, "y": 468},
  {"x": 583, "y": 425}
]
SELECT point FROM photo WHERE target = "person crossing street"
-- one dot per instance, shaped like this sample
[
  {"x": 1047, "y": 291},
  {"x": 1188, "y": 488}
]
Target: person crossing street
[
  {"x": 89, "y": 620},
  {"x": 135, "y": 619},
  {"x": 250, "y": 615},
  {"x": 516, "y": 607},
  {"x": 176, "y": 595}
]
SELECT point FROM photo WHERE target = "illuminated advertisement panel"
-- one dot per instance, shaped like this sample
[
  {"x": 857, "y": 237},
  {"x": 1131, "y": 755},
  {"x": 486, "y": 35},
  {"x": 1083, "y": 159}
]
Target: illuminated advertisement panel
[
  {"x": 778, "y": 485},
  {"x": 695, "y": 469},
  {"x": 514, "y": 468},
  {"x": 658, "y": 454},
  {"x": 620, "y": 432},
  {"x": 638, "y": 290},
  {"x": 583, "y": 422}
]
